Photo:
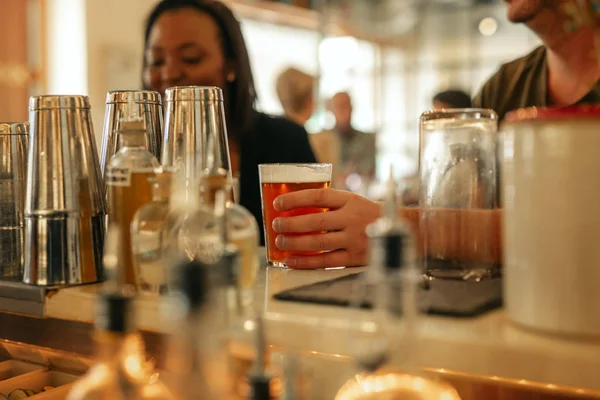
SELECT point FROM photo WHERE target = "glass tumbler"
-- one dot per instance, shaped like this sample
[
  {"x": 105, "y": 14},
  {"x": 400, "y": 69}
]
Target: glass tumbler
[
  {"x": 277, "y": 179},
  {"x": 460, "y": 233}
]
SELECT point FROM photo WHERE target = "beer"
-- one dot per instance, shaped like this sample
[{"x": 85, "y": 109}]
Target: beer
[{"x": 278, "y": 179}]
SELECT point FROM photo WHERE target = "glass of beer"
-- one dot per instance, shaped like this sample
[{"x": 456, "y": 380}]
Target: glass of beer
[{"x": 277, "y": 179}]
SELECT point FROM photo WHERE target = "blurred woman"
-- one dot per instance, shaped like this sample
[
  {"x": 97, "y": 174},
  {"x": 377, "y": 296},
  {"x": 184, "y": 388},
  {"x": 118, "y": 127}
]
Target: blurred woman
[
  {"x": 296, "y": 92},
  {"x": 199, "y": 42}
]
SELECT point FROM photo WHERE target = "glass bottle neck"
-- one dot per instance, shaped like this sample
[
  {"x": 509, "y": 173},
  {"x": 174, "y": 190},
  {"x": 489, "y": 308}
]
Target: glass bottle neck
[
  {"x": 109, "y": 345},
  {"x": 160, "y": 194},
  {"x": 133, "y": 139},
  {"x": 399, "y": 304},
  {"x": 210, "y": 185}
]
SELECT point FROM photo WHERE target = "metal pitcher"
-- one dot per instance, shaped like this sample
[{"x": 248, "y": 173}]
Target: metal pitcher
[
  {"x": 14, "y": 141},
  {"x": 65, "y": 205},
  {"x": 149, "y": 107}
]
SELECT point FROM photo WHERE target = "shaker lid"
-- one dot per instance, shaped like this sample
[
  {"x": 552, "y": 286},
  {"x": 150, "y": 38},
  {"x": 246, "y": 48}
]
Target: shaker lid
[
  {"x": 47, "y": 102},
  {"x": 194, "y": 93},
  {"x": 139, "y": 96},
  {"x": 532, "y": 114},
  {"x": 14, "y": 128}
]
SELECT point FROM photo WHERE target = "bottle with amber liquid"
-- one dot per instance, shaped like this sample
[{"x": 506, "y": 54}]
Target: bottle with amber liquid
[
  {"x": 385, "y": 356},
  {"x": 120, "y": 371},
  {"x": 148, "y": 236},
  {"x": 128, "y": 187}
]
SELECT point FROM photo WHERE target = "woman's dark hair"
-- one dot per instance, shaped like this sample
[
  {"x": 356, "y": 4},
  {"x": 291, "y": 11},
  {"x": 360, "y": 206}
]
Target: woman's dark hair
[
  {"x": 241, "y": 93},
  {"x": 454, "y": 98}
]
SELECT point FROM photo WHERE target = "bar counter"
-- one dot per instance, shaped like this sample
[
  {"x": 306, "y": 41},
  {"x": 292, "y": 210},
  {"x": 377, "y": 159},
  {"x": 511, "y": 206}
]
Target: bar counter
[{"x": 475, "y": 354}]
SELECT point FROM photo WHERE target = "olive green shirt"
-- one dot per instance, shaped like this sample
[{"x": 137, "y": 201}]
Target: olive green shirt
[{"x": 522, "y": 83}]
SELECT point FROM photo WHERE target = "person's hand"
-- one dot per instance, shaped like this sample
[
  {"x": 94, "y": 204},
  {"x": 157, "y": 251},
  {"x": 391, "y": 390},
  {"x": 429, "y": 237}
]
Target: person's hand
[{"x": 343, "y": 228}]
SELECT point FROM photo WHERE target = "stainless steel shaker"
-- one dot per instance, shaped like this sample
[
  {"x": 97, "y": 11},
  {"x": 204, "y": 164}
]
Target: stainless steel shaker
[
  {"x": 65, "y": 205},
  {"x": 14, "y": 142},
  {"x": 149, "y": 107},
  {"x": 195, "y": 131}
]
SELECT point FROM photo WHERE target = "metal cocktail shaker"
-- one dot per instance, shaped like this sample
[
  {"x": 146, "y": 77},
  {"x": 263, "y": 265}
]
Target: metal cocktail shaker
[
  {"x": 14, "y": 141},
  {"x": 65, "y": 205},
  {"x": 149, "y": 107},
  {"x": 196, "y": 134}
]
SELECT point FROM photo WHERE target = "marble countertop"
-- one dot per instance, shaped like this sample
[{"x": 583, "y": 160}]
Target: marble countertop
[{"x": 488, "y": 346}]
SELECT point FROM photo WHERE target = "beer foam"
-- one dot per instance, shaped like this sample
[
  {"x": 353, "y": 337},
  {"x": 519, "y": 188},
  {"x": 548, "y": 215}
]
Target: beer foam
[{"x": 302, "y": 173}]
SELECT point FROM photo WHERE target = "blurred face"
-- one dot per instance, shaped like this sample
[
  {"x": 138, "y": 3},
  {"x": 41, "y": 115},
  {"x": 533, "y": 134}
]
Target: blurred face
[
  {"x": 341, "y": 107},
  {"x": 184, "y": 48},
  {"x": 523, "y": 11}
]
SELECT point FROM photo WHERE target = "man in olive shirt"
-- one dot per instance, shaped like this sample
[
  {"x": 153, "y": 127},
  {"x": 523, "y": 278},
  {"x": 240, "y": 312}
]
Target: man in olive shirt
[{"x": 564, "y": 71}]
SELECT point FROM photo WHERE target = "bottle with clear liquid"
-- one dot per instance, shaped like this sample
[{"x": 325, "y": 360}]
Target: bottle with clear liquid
[
  {"x": 238, "y": 308},
  {"x": 191, "y": 228},
  {"x": 242, "y": 229},
  {"x": 385, "y": 356},
  {"x": 128, "y": 187},
  {"x": 148, "y": 236},
  {"x": 194, "y": 312},
  {"x": 120, "y": 371}
]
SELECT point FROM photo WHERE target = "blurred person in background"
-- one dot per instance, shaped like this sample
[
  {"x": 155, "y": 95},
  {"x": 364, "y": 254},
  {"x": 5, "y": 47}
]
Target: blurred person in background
[
  {"x": 357, "y": 150},
  {"x": 564, "y": 71},
  {"x": 451, "y": 99},
  {"x": 296, "y": 92},
  {"x": 199, "y": 42}
]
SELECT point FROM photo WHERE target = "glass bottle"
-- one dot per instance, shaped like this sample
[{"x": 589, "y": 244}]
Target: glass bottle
[
  {"x": 260, "y": 382},
  {"x": 191, "y": 228},
  {"x": 242, "y": 231},
  {"x": 127, "y": 176},
  {"x": 384, "y": 358},
  {"x": 190, "y": 312},
  {"x": 239, "y": 309},
  {"x": 147, "y": 236},
  {"x": 120, "y": 371}
]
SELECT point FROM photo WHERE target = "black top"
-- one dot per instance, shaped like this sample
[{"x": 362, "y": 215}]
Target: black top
[{"x": 273, "y": 140}]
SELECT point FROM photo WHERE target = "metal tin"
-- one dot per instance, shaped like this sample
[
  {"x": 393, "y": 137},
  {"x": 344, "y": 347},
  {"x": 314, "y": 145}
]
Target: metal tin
[
  {"x": 149, "y": 107},
  {"x": 14, "y": 143},
  {"x": 64, "y": 206},
  {"x": 195, "y": 131}
]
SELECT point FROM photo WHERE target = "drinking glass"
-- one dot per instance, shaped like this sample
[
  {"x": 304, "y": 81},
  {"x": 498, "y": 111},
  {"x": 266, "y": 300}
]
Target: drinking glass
[
  {"x": 458, "y": 170},
  {"x": 277, "y": 179}
]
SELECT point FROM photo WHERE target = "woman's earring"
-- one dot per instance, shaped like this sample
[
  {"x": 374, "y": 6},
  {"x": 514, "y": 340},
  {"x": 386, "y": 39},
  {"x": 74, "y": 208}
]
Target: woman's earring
[{"x": 231, "y": 77}]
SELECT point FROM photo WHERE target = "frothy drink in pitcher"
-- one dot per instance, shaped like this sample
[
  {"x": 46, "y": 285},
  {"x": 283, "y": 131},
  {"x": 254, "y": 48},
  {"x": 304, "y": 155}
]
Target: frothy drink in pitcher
[{"x": 278, "y": 179}]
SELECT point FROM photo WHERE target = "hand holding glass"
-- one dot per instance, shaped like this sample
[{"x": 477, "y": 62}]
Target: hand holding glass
[{"x": 277, "y": 179}]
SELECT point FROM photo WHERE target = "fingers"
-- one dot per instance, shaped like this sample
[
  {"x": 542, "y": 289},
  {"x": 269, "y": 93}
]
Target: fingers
[
  {"x": 332, "y": 259},
  {"x": 318, "y": 242},
  {"x": 317, "y": 222},
  {"x": 320, "y": 198}
]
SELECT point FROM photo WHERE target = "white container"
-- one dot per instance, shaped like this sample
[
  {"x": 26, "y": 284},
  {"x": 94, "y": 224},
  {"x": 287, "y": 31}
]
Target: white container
[{"x": 551, "y": 198}]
